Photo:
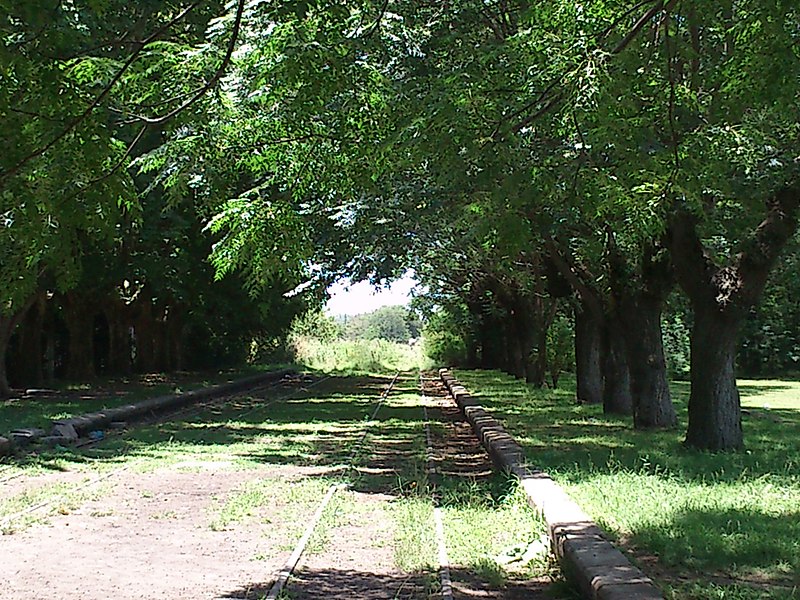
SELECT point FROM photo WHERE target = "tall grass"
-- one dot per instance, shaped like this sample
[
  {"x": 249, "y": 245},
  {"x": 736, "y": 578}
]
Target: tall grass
[{"x": 357, "y": 356}]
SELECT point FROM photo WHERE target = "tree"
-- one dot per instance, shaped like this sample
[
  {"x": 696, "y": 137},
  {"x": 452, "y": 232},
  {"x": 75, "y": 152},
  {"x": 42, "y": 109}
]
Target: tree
[{"x": 63, "y": 178}]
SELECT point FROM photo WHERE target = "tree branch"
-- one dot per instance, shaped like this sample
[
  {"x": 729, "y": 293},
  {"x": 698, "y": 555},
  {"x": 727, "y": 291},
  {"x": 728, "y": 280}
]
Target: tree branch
[
  {"x": 643, "y": 20},
  {"x": 99, "y": 98},
  {"x": 693, "y": 268},
  {"x": 755, "y": 262},
  {"x": 569, "y": 272},
  {"x": 214, "y": 78}
]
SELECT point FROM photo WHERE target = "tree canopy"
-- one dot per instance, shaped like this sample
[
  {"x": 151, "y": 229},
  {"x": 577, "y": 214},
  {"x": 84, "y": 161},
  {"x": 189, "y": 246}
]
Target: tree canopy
[{"x": 535, "y": 163}]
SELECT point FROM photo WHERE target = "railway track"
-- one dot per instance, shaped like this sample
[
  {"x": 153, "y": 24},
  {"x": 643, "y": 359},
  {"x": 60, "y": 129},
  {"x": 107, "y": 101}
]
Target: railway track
[
  {"x": 281, "y": 579},
  {"x": 445, "y": 580},
  {"x": 357, "y": 457}
]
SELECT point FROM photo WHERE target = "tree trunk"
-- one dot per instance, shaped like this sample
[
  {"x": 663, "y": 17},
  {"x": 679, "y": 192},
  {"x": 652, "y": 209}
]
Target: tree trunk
[
  {"x": 160, "y": 340},
  {"x": 541, "y": 314},
  {"x": 537, "y": 368},
  {"x": 9, "y": 322},
  {"x": 617, "y": 398},
  {"x": 79, "y": 320},
  {"x": 652, "y": 402},
  {"x": 492, "y": 347},
  {"x": 515, "y": 336},
  {"x": 29, "y": 355},
  {"x": 173, "y": 334},
  {"x": 588, "y": 375},
  {"x": 119, "y": 342},
  {"x": 721, "y": 297},
  {"x": 6, "y": 329},
  {"x": 145, "y": 339},
  {"x": 715, "y": 419}
]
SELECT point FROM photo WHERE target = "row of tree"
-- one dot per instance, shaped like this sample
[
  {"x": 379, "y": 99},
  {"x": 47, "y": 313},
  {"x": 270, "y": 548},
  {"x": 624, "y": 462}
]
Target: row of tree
[
  {"x": 519, "y": 156},
  {"x": 103, "y": 267}
]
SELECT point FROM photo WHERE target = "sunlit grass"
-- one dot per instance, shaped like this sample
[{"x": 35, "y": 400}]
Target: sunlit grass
[
  {"x": 57, "y": 498},
  {"x": 729, "y": 523},
  {"x": 359, "y": 356}
]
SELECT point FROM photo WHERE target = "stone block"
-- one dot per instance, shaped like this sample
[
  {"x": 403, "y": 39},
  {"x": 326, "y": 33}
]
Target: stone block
[{"x": 64, "y": 430}]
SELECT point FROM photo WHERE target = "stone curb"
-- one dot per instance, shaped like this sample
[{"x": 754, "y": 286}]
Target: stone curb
[
  {"x": 85, "y": 423},
  {"x": 600, "y": 570}
]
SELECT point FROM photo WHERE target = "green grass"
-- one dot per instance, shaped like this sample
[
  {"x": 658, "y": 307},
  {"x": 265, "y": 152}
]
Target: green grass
[
  {"x": 722, "y": 525},
  {"x": 62, "y": 499},
  {"x": 488, "y": 533},
  {"x": 289, "y": 503},
  {"x": 358, "y": 356},
  {"x": 73, "y": 399}
]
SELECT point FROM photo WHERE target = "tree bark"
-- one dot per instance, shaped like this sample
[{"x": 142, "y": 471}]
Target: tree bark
[
  {"x": 617, "y": 398},
  {"x": 8, "y": 323},
  {"x": 515, "y": 339},
  {"x": 29, "y": 356},
  {"x": 173, "y": 335},
  {"x": 79, "y": 320},
  {"x": 588, "y": 374},
  {"x": 652, "y": 401},
  {"x": 493, "y": 350},
  {"x": 119, "y": 351},
  {"x": 144, "y": 337},
  {"x": 721, "y": 296},
  {"x": 639, "y": 296},
  {"x": 715, "y": 421},
  {"x": 6, "y": 329},
  {"x": 537, "y": 368}
]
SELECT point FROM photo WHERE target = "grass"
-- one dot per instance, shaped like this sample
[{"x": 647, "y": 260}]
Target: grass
[
  {"x": 289, "y": 503},
  {"x": 321, "y": 427},
  {"x": 72, "y": 399},
  {"x": 489, "y": 532},
  {"x": 705, "y": 525},
  {"x": 63, "y": 499},
  {"x": 358, "y": 356}
]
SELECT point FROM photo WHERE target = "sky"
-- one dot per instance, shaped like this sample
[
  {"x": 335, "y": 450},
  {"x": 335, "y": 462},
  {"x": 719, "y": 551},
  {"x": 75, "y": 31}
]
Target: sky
[{"x": 362, "y": 297}]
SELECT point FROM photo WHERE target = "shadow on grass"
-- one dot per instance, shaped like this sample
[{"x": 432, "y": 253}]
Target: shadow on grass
[
  {"x": 702, "y": 513},
  {"x": 562, "y": 435},
  {"x": 316, "y": 426},
  {"x": 728, "y": 537},
  {"x": 36, "y": 408}
]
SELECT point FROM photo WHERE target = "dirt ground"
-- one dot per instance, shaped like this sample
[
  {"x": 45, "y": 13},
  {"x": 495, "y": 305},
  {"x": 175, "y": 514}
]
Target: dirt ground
[{"x": 149, "y": 536}]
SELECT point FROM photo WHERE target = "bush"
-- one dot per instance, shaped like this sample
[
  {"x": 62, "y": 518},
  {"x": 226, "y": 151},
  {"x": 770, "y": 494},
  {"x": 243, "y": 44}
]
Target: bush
[
  {"x": 317, "y": 325},
  {"x": 392, "y": 323},
  {"x": 443, "y": 341},
  {"x": 364, "y": 356}
]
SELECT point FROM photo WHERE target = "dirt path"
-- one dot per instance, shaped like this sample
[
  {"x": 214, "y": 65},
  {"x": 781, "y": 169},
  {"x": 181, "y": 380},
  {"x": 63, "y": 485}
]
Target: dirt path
[
  {"x": 359, "y": 559},
  {"x": 150, "y": 537},
  {"x": 154, "y": 533}
]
